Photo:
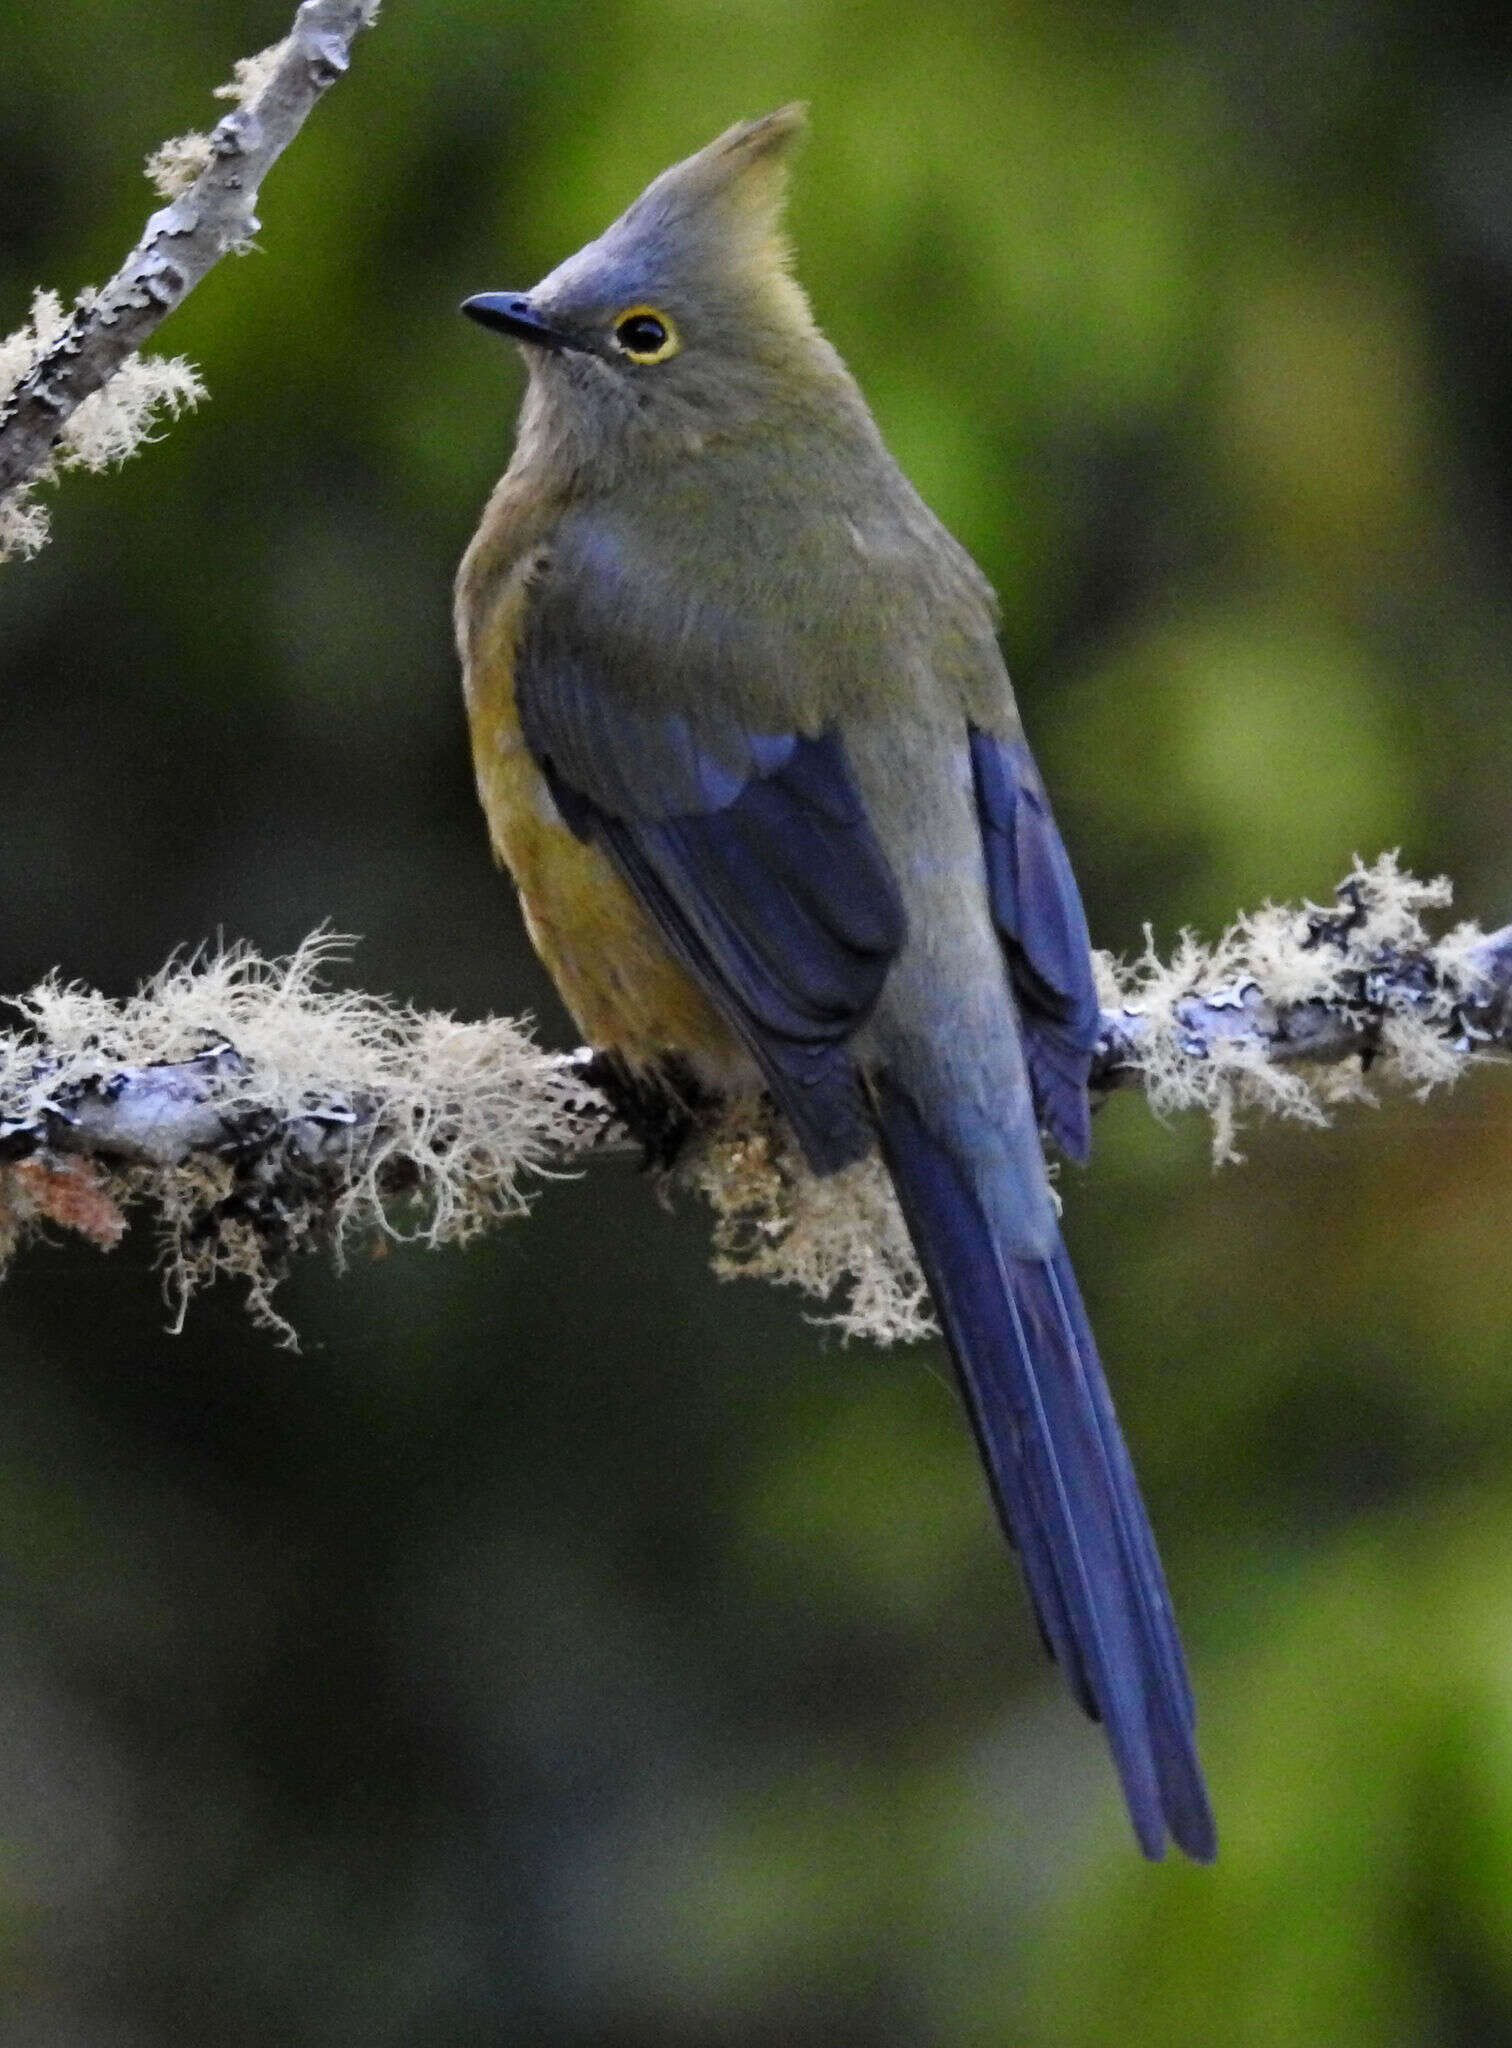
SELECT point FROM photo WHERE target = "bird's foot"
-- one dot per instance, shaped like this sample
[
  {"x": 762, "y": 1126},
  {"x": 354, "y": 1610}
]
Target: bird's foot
[{"x": 659, "y": 1108}]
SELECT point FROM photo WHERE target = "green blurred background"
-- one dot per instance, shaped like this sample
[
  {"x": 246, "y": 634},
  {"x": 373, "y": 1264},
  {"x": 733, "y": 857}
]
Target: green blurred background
[{"x": 564, "y": 1650}]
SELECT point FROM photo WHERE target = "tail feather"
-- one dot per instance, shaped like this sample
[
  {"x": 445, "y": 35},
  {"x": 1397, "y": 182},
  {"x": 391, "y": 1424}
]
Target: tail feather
[{"x": 1062, "y": 1481}]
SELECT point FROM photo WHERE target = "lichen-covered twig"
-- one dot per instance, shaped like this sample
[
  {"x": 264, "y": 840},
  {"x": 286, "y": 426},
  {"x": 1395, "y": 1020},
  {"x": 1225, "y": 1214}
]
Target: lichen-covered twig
[
  {"x": 1460, "y": 987},
  {"x": 258, "y": 1111},
  {"x": 1292, "y": 1009},
  {"x": 77, "y": 356}
]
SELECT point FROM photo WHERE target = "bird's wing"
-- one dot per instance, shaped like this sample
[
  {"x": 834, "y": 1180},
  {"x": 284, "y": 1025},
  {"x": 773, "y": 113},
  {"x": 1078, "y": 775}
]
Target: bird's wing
[
  {"x": 749, "y": 849},
  {"x": 1038, "y": 912}
]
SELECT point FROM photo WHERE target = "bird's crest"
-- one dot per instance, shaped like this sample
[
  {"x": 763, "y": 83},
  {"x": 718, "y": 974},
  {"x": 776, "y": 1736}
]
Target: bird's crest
[{"x": 740, "y": 178}]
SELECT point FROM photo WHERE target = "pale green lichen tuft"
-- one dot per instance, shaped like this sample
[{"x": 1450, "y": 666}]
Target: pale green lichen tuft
[
  {"x": 456, "y": 1117},
  {"x": 175, "y": 165},
  {"x": 1276, "y": 951},
  {"x": 104, "y": 429},
  {"x": 840, "y": 1240}
]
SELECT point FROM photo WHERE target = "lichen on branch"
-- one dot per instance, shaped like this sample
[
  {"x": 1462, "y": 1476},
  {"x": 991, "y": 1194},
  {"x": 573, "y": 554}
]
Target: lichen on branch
[
  {"x": 1290, "y": 1010},
  {"x": 255, "y": 1111},
  {"x": 105, "y": 428},
  {"x": 74, "y": 392}
]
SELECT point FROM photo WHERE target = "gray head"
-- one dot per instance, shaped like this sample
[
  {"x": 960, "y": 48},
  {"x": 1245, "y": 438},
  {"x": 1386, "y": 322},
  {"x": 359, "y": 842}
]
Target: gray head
[{"x": 682, "y": 322}]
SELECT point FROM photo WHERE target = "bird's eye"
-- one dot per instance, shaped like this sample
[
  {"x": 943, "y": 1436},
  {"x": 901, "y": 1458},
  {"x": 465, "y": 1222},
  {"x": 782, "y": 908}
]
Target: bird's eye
[{"x": 645, "y": 336}]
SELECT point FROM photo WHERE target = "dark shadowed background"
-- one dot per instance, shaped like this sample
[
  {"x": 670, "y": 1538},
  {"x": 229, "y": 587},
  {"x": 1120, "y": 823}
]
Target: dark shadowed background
[{"x": 564, "y": 1650}]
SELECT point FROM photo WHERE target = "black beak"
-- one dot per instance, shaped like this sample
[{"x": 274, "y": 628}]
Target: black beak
[{"x": 509, "y": 313}]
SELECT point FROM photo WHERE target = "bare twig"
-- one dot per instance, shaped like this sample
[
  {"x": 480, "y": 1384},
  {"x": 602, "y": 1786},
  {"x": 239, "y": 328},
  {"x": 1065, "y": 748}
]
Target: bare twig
[{"x": 181, "y": 241}]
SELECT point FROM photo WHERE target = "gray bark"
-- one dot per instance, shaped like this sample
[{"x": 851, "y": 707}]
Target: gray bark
[{"x": 181, "y": 241}]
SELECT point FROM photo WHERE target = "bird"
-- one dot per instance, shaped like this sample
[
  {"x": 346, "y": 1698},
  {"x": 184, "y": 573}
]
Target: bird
[{"x": 744, "y": 737}]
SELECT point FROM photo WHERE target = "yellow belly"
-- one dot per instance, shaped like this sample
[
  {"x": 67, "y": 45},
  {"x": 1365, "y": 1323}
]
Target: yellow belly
[{"x": 625, "y": 991}]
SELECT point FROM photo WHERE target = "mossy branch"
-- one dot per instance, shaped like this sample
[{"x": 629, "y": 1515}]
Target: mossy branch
[{"x": 257, "y": 1112}]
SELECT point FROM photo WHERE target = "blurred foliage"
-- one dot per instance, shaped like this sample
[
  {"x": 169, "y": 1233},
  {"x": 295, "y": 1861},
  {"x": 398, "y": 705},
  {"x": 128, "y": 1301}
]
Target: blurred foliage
[{"x": 565, "y": 1650}]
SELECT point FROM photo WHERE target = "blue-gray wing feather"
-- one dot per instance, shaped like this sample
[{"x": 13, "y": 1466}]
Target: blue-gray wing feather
[
  {"x": 752, "y": 854},
  {"x": 1038, "y": 912}
]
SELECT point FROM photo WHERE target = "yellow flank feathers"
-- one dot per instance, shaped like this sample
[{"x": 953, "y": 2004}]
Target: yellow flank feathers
[{"x": 625, "y": 991}]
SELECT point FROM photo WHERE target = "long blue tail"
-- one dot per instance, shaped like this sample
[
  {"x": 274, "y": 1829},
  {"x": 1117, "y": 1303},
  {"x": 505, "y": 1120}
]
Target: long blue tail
[{"x": 1062, "y": 1481}]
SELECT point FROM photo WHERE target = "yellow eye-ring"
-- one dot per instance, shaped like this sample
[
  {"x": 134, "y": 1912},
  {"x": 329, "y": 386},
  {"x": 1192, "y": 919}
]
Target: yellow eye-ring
[{"x": 645, "y": 335}]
